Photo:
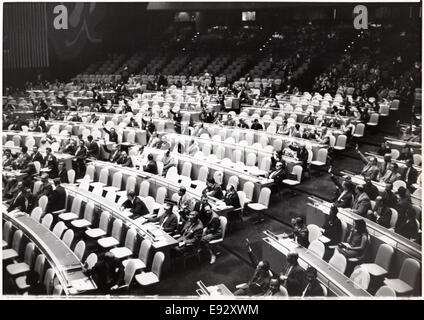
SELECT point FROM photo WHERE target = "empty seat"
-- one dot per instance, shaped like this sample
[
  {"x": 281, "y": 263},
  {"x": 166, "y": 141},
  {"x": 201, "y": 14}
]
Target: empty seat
[
  {"x": 103, "y": 227},
  {"x": 143, "y": 255},
  {"x": 406, "y": 282},
  {"x": 13, "y": 252},
  {"x": 381, "y": 264},
  {"x": 115, "y": 237},
  {"x": 17, "y": 269},
  {"x": 127, "y": 250},
  {"x": 338, "y": 261},
  {"x": 152, "y": 277},
  {"x": 361, "y": 277}
]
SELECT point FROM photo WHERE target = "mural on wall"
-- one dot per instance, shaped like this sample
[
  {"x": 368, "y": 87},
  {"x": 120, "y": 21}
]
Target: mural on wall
[{"x": 73, "y": 26}]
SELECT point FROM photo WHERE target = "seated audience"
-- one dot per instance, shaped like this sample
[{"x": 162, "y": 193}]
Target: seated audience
[
  {"x": 357, "y": 240},
  {"x": 151, "y": 165},
  {"x": 313, "y": 287},
  {"x": 381, "y": 213},
  {"x": 57, "y": 198}
]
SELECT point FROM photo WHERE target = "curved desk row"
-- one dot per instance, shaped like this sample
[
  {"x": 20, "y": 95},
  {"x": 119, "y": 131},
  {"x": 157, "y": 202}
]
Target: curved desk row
[{"x": 67, "y": 267}]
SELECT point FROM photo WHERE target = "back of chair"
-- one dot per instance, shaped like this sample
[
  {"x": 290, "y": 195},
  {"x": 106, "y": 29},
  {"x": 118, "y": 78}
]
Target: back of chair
[
  {"x": 317, "y": 247},
  {"x": 36, "y": 213},
  {"x": 384, "y": 256},
  {"x": 409, "y": 271},
  {"x": 129, "y": 272},
  {"x": 417, "y": 159},
  {"x": 361, "y": 277},
  {"x": 79, "y": 249},
  {"x": 344, "y": 231},
  {"x": 71, "y": 175},
  {"x": 130, "y": 239},
  {"x": 7, "y": 231},
  {"x": 143, "y": 253},
  {"x": 117, "y": 229},
  {"x": 47, "y": 221},
  {"x": 322, "y": 155},
  {"x": 145, "y": 186},
  {"x": 297, "y": 170},
  {"x": 338, "y": 261},
  {"x": 48, "y": 280},
  {"x": 91, "y": 260},
  {"x": 234, "y": 180},
  {"x": 314, "y": 232},
  {"x": 264, "y": 196},
  {"x": 393, "y": 217},
  {"x": 117, "y": 180},
  {"x": 84, "y": 185},
  {"x": 223, "y": 221},
  {"x": 111, "y": 195},
  {"x": 251, "y": 159},
  {"x": 203, "y": 173},
  {"x": 332, "y": 141},
  {"x": 186, "y": 170},
  {"x": 341, "y": 141},
  {"x": 37, "y": 166},
  {"x": 29, "y": 254},
  {"x": 360, "y": 129},
  {"x": 385, "y": 291},
  {"x": 374, "y": 118},
  {"x": 248, "y": 189},
  {"x": 36, "y": 187},
  {"x": 16, "y": 241},
  {"x": 158, "y": 260},
  {"x": 76, "y": 205},
  {"x": 90, "y": 171},
  {"x": 39, "y": 266},
  {"x": 68, "y": 237},
  {"x": 161, "y": 195},
  {"x": 59, "y": 228}
]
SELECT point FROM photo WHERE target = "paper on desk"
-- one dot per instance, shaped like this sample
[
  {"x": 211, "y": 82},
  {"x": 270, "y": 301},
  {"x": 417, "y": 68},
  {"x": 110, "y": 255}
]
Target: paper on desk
[{"x": 82, "y": 284}]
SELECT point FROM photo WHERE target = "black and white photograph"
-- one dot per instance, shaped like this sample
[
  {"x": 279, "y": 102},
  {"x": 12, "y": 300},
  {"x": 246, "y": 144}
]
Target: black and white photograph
[{"x": 211, "y": 150}]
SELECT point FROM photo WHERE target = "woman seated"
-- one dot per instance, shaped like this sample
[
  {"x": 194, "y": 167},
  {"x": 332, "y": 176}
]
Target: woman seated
[{"x": 357, "y": 241}]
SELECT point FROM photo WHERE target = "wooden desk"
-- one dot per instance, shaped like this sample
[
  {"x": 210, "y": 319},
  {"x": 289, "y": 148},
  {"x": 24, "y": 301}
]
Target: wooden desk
[
  {"x": 257, "y": 178},
  {"x": 161, "y": 241},
  {"x": 275, "y": 251},
  {"x": 155, "y": 181},
  {"x": 67, "y": 267},
  {"x": 317, "y": 212}
]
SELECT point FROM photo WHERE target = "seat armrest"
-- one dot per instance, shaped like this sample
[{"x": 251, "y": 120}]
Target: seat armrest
[
  {"x": 216, "y": 241},
  {"x": 59, "y": 211},
  {"x": 176, "y": 236},
  {"x": 240, "y": 285}
]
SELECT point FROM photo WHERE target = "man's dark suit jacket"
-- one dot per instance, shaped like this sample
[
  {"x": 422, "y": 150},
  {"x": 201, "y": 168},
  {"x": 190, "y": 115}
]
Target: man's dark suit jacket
[
  {"x": 57, "y": 199},
  {"x": 314, "y": 290},
  {"x": 37, "y": 157},
  {"x": 151, "y": 167},
  {"x": 412, "y": 176},
  {"x": 137, "y": 208},
  {"x": 232, "y": 199},
  {"x": 18, "y": 203},
  {"x": 92, "y": 150},
  {"x": 295, "y": 283},
  {"x": 193, "y": 236},
  {"x": 170, "y": 224},
  {"x": 63, "y": 176}
]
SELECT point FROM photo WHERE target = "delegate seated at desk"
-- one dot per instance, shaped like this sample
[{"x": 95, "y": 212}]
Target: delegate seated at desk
[
  {"x": 293, "y": 276},
  {"x": 135, "y": 205},
  {"x": 333, "y": 227},
  {"x": 168, "y": 221},
  {"x": 213, "y": 189},
  {"x": 313, "y": 287},
  {"x": 357, "y": 241},
  {"x": 151, "y": 166},
  {"x": 259, "y": 282},
  {"x": 212, "y": 230},
  {"x": 191, "y": 234}
]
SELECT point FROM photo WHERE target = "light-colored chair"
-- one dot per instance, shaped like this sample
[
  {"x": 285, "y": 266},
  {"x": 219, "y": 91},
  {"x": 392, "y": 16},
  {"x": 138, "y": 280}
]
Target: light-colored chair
[
  {"x": 17, "y": 269},
  {"x": 115, "y": 238},
  {"x": 128, "y": 248},
  {"x": 381, "y": 265},
  {"x": 79, "y": 249},
  {"x": 408, "y": 274},
  {"x": 361, "y": 278},
  {"x": 59, "y": 228},
  {"x": 13, "y": 252},
  {"x": 385, "y": 291},
  {"x": 75, "y": 211},
  {"x": 152, "y": 277},
  {"x": 37, "y": 214},
  {"x": 47, "y": 221},
  {"x": 143, "y": 255},
  {"x": 102, "y": 229},
  {"x": 338, "y": 261},
  {"x": 317, "y": 247},
  {"x": 314, "y": 232},
  {"x": 68, "y": 237},
  {"x": 341, "y": 143}
]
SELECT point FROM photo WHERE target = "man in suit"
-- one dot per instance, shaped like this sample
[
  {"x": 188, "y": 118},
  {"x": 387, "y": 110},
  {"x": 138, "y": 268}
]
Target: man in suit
[
  {"x": 344, "y": 198},
  {"x": 124, "y": 160},
  {"x": 333, "y": 227},
  {"x": 57, "y": 198},
  {"x": 211, "y": 231},
  {"x": 184, "y": 204},
  {"x": 293, "y": 276},
  {"x": 36, "y": 155},
  {"x": 200, "y": 207},
  {"x": 135, "y": 205},
  {"x": 114, "y": 152},
  {"x": 389, "y": 197},
  {"x": 168, "y": 221},
  {"x": 385, "y": 165},
  {"x": 23, "y": 159},
  {"x": 92, "y": 148},
  {"x": 370, "y": 189},
  {"x": 274, "y": 288},
  {"x": 361, "y": 203},
  {"x": 370, "y": 169},
  {"x": 46, "y": 188},
  {"x": 391, "y": 174},
  {"x": 62, "y": 173},
  {"x": 113, "y": 136},
  {"x": 231, "y": 197},
  {"x": 403, "y": 205},
  {"x": 20, "y": 201},
  {"x": 151, "y": 165},
  {"x": 381, "y": 213},
  {"x": 79, "y": 162},
  {"x": 259, "y": 282},
  {"x": 213, "y": 189},
  {"x": 410, "y": 175},
  {"x": 191, "y": 234},
  {"x": 279, "y": 174},
  {"x": 50, "y": 162},
  {"x": 313, "y": 287}
]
